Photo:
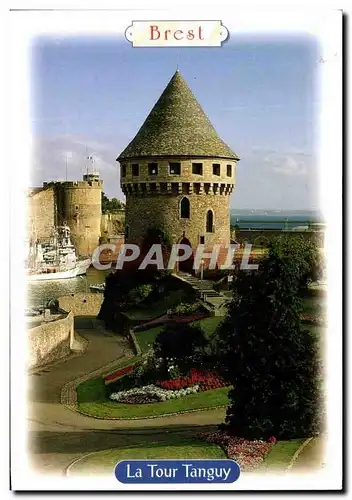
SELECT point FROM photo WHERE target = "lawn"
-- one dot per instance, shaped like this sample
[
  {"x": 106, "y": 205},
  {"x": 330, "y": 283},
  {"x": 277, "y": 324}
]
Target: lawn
[
  {"x": 93, "y": 395},
  {"x": 122, "y": 364},
  {"x": 147, "y": 337},
  {"x": 280, "y": 455},
  {"x": 92, "y": 400},
  {"x": 158, "y": 447},
  {"x": 149, "y": 312},
  {"x": 316, "y": 330},
  {"x": 209, "y": 325},
  {"x": 313, "y": 305},
  {"x": 168, "y": 447}
]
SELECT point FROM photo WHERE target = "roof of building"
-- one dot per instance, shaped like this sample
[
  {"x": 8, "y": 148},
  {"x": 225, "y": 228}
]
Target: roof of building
[{"x": 177, "y": 126}]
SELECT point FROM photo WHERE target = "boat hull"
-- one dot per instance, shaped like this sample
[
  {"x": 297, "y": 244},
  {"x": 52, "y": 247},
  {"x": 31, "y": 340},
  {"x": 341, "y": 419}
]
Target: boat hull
[{"x": 78, "y": 270}]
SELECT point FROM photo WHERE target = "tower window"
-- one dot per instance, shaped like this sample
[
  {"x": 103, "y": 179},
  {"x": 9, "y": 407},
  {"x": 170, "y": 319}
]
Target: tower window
[
  {"x": 197, "y": 168},
  {"x": 202, "y": 240},
  {"x": 210, "y": 222},
  {"x": 123, "y": 170},
  {"x": 175, "y": 168},
  {"x": 152, "y": 168},
  {"x": 185, "y": 208},
  {"x": 135, "y": 169},
  {"x": 229, "y": 170},
  {"x": 216, "y": 169}
]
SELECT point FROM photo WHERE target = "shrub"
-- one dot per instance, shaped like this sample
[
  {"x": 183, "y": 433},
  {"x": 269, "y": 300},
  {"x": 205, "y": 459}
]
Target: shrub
[
  {"x": 180, "y": 341},
  {"x": 186, "y": 308},
  {"x": 139, "y": 293}
]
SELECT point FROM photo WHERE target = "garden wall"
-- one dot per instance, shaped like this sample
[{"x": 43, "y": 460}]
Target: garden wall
[{"x": 50, "y": 341}]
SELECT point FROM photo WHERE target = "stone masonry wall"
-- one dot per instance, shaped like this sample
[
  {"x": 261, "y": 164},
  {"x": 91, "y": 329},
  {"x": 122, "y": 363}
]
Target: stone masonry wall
[
  {"x": 41, "y": 220},
  {"x": 148, "y": 211},
  {"x": 50, "y": 341},
  {"x": 154, "y": 200},
  {"x": 186, "y": 174},
  {"x": 79, "y": 204},
  {"x": 112, "y": 224}
]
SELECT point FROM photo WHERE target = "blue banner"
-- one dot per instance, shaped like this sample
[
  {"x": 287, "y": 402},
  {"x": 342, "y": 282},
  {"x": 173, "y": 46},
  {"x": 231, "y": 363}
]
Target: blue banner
[{"x": 177, "y": 471}]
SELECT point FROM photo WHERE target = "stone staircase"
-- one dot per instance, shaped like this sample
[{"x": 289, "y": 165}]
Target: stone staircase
[{"x": 205, "y": 292}]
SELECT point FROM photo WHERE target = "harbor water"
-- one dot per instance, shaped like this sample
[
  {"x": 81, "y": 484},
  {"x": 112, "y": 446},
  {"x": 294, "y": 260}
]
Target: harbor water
[{"x": 40, "y": 292}]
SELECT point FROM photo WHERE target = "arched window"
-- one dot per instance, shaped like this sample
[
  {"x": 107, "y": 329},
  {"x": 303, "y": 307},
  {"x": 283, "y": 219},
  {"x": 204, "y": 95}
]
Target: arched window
[
  {"x": 210, "y": 222},
  {"x": 184, "y": 208}
]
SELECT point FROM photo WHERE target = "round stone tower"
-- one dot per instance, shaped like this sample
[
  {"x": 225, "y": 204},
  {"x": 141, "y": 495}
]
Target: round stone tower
[
  {"x": 78, "y": 203},
  {"x": 177, "y": 173}
]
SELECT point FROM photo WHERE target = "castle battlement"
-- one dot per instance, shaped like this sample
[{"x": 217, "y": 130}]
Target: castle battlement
[{"x": 74, "y": 184}]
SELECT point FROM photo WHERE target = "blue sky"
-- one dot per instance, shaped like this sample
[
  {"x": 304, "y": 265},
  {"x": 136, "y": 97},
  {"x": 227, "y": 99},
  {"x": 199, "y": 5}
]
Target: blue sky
[{"x": 261, "y": 94}]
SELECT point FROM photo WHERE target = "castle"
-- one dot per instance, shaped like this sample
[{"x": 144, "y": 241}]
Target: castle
[
  {"x": 78, "y": 203},
  {"x": 177, "y": 173}
]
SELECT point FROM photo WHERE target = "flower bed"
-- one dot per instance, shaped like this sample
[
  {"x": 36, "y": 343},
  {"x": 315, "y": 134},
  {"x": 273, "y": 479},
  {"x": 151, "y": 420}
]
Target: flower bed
[
  {"x": 150, "y": 394},
  {"x": 112, "y": 377},
  {"x": 206, "y": 380},
  {"x": 248, "y": 454},
  {"x": 313, "y": 320}
]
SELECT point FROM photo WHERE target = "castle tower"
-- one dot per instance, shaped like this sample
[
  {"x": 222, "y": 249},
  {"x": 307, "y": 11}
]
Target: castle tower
[
  {"x": 78, "y": 203},
  {"x": 177, "y": 173}
]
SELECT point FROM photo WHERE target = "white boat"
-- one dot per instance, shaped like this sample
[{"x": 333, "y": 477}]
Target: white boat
[{"x": 56, "y": 259}]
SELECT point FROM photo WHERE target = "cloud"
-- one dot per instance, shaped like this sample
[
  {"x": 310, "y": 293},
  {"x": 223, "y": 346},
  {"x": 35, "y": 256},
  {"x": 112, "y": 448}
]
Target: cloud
[
  {"x": 49, "y": 161},
  {"x": 286, "y": 164},
  {"x": 292, "y": 163},
  {"x": 265, "y": 178},
  {"x": 273, "y": 179}
]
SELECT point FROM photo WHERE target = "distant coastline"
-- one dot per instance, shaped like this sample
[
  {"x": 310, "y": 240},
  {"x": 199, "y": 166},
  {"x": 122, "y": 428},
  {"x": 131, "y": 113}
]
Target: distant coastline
[{"x": 274, "y": 219}]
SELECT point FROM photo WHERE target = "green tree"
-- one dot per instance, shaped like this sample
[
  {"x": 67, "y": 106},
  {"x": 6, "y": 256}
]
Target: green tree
[
  {"x": 111, "y": 206},
  {"x": 305, "y": 253},
  {"x": 179, "y": 341},
  {"x": 271, "y": 362},
  {"x": 157, "y": 234},
  {"x": 123, "y": 287},
  {"x": 140, "y": 293}
]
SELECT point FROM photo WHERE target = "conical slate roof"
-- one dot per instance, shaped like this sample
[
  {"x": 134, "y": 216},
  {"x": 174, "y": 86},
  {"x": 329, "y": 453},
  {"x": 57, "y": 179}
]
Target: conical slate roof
[{"x": 177, "y": 126}]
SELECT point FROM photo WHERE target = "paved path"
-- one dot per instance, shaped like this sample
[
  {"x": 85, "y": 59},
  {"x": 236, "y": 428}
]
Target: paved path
[
  {"x": 311, "y": 457},
  {"x": 57, "y": 435}
]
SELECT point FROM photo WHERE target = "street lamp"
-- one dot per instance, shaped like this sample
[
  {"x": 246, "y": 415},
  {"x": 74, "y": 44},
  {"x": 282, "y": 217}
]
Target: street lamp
[{"x": 201, "y": 269}]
